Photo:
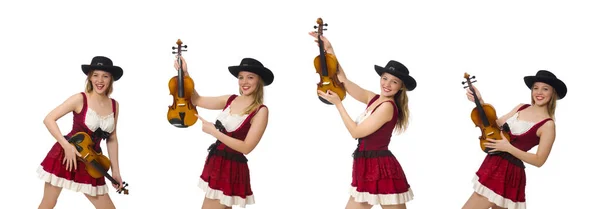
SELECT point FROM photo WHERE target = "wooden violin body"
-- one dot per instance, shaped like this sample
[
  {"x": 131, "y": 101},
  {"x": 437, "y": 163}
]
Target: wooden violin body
[
  {"x": 96, "y": 164},
  {"x": 182, "y": 113},
  {"x": 327, "y": 67},
  {"x": 484, "y": 116}
]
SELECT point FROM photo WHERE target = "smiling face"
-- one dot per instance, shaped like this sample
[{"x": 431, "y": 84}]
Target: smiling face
[
  {"x": 390, "y": 85},
  {"x": 100, "y": 82},
  {"x": 248, "y": 82},
  {"x": 542, "y": 93}
]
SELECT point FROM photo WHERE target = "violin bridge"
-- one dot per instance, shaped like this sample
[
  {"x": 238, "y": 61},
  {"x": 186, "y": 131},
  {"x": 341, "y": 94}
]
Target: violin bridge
[
  {"x": 491, "y": 133},
  {"x": 326, "y": 83}
]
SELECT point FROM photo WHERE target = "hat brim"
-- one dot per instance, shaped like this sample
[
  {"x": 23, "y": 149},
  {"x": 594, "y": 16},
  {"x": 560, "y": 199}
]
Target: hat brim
[
  {"x": 115, "y": 71},
  {"x": 265, "y": 74},
  {"x": 559, "y": 86},
  {"x": 409, "y": 82}
]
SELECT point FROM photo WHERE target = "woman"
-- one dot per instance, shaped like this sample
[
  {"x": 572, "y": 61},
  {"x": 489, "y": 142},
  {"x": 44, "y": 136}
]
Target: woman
[
  {"x": 500, "y": 181},
  {"x": 96, "y": 114},
  {"x": 238, "y": 129},
  {"x": 377, "y": 177}
]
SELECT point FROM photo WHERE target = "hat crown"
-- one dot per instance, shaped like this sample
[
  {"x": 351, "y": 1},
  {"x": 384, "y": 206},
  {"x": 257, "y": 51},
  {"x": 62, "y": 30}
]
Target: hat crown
[
  {"x": 393, "y": 65},
  {"x": 101, "y": 61},
  {"x": 250, "y": 62},
  {"x": 546, "y": 74}
]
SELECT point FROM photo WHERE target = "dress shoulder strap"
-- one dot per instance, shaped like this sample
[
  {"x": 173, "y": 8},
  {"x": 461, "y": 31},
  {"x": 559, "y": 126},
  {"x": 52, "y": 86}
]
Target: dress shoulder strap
[
  {"x": 373, "y": 100},
  {"x": 229, "y": 100},
  {"x": 523, "y": 107}
]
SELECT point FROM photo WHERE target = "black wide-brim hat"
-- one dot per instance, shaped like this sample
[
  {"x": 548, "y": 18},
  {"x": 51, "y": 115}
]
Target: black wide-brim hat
[
  {"x": 399, "y": 70},
  {"x": 104, "y": 64},
  {"x": 254, "y": 66},
  {"x": 549, "y": 78}
]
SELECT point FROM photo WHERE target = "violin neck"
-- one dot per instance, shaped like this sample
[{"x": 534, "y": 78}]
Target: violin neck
[
  {"x": 180, "y": 76},
  {"x": 322, "y": 57},
  {"x": 479, "y": 107},
  {"x": 99, "y": 168}
]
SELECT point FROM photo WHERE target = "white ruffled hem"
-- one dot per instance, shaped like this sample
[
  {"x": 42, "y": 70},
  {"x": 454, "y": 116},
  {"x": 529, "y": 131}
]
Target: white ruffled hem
[
  {"x": 224, "y": 199},
  {"x": 495, "y": 198},
  {"x": 382, "y": 199},
  {"x": 71, "y": 185}
]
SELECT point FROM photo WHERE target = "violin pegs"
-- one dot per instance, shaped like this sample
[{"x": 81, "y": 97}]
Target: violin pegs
[
  {"x": 473, "y": 81},
  {"x": 315, "y": 27},
  {"x": 325, "y": 24},
  {"x": 174, "y": 52},
  {"x": 173, "y": 48},
  {"x": 184, "y": 46}
]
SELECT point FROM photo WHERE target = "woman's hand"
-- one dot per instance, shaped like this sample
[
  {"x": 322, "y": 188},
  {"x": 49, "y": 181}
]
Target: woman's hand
[
  {"x": 471, "y": 97},
  {"x": 117, "y": 177},
  {"x": 183, "y": 63},
  {"x": 330, "y": 96},
  {"x": 326, "y": 43},
  {"x": 502, "y": 145},
  {"x": 208, "y": 127},
  {"x": 70, "y": 158}
]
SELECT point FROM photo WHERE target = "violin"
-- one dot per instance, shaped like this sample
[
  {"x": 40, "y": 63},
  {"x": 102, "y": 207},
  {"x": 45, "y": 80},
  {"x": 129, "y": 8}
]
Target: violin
[
  {"x": 327, "y": 67},
  {"x": 96, "y": 164},
  {"x": 182, "y": 113},
  {"x": 484, "y": 116}
]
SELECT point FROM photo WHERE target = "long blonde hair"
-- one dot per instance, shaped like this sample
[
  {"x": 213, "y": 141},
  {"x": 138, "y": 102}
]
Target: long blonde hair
[
  {"x": 401, "y": 100},
  {"x": 258, "y": 96},
  {"x": 89, "y": 87}
]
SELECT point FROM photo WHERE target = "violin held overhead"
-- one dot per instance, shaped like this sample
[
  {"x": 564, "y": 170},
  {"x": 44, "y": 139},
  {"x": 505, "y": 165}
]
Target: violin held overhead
[
  {"x": 484, "y": 116},
  {"x": 182, "y": 113},
  {"x": 327, "y": 66},
  {"x": 96, "y": 164}
]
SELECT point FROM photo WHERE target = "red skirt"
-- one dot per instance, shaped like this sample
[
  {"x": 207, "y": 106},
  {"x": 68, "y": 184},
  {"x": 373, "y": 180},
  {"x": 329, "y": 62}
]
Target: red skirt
[
  {"x": 52, "y": 171},
  {"x": 227, "y": 179},
  {"x": 501, "y": 181},
  {"x": 379, "y": 180}
]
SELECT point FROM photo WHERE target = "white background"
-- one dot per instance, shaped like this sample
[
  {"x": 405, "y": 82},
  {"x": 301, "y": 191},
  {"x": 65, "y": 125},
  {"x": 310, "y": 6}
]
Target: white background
[{"x": 303, "y": 160}]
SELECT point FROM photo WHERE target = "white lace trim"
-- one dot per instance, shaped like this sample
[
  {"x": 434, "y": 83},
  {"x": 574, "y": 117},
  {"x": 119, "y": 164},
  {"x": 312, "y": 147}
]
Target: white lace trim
[
  {"x": 71, "y": 185},
  {"x": 224, "y": 199},
  {"x": 495, "y": 198},
  {"x": 382, "y": 199}
]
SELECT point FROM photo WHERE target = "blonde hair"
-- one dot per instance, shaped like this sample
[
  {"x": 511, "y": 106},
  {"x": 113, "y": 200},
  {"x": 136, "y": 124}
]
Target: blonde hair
[
  {"x": 89, "y": 87},
  {"x": 401, "y": 100},
  {"x": 258, "y": 96}
]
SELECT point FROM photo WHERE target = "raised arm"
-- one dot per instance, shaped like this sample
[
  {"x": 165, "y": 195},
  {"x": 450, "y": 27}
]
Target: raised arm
[
  {"x": 206, "y": 102},
  {"x": 357, "y": 92},
  {"x": 352, "y": 88}
]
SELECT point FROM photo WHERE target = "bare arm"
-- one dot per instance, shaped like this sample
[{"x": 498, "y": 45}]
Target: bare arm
[
  {"x": 259, "y": 124},
  {"x": 379, "y": 117},
  {"x": 72, "y": 104},
  {"x": 211, "y": 103},
  {"x": 357, "y": 92},
  {"x": 547, "y": 135},
  {"x": 112, "y": 145}
]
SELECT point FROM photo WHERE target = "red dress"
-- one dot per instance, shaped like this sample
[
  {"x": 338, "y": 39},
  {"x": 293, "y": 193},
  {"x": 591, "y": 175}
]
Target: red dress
[
  {"x": 52, "y": 171},
  {"x": 501, "y": 177},
  {"x": 226, "y": 176},
  {"x": 377, "y": 177}
]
